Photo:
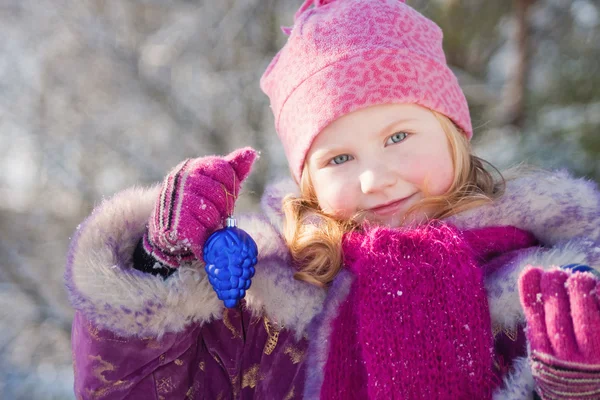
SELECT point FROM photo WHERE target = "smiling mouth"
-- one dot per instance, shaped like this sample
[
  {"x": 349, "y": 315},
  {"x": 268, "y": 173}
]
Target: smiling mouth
[{"x": 390, "y": 208}]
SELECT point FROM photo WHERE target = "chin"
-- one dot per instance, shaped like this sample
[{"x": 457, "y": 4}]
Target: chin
[
  {"x": 414, "y": 220},
  {"x": 394, "y": 221},
  {"x": 397, "y": 221}
]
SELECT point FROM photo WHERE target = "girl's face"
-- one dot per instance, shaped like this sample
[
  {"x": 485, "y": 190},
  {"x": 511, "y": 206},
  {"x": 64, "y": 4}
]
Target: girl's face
[{"x": 380, "y": 161}]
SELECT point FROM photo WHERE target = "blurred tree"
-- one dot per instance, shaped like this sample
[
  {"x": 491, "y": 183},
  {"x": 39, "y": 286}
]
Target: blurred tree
[
  {"x": 516, "y": 87},
  {"x": 529, "y": 70},
  {"x": 98, "y": 95}
]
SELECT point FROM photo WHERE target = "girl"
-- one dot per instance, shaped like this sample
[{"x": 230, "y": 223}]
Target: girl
[{"x": 395, "y": 266}]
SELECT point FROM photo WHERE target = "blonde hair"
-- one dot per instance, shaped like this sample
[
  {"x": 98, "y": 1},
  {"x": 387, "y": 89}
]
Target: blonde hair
[{"x": 315, "y": 238}]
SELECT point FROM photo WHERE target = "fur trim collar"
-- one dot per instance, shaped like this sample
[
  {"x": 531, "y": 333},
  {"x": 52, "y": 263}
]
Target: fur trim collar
[
  {"x": 103, "y": 284},
  {"x": 105, "y": 287},
  {"x": 563, "y": 213},
  {"x": 555, "y": 207}
]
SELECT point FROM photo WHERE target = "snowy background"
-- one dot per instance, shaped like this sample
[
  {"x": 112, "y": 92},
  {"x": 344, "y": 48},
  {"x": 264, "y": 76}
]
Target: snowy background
[{"x": 99, "y": 95}]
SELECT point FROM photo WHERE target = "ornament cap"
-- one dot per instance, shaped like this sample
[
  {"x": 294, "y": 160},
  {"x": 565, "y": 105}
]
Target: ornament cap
[{"x": 230, "y": 222}]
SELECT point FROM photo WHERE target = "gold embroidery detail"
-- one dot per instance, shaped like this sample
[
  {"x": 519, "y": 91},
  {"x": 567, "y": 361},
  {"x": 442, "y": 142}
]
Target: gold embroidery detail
[
  {"x": 235, "y": 385},
  {"x": 104, "y": 366},
  {"x": 190, "y": 393},
  {"x": 251, "y": 377},
  {"x": 202, "y": 365},
  {"x": 93, "y": 331},
  {"x": 511, "y": 333},
  {"x": 229, "y": 325},
  {"x": 165, "y": 385},
  {"x": 220, "y": 396},
  {"x": 161, "y": 358},
  {"x": 111, "y": 386},
  {"x": 153, "y": 344},
  {"x": 273, "y": 332},
  {"x": 290, "y": 394},
  {"x": 218, "y": 360},
  {"x": 178, "y": 362},
  {"x": 496, "y": 329},
  {"x": 296, "y": 355}
]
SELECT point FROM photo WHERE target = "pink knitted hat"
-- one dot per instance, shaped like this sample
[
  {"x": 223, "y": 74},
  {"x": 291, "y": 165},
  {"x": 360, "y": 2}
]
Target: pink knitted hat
[{"x": 344, "y": 55}]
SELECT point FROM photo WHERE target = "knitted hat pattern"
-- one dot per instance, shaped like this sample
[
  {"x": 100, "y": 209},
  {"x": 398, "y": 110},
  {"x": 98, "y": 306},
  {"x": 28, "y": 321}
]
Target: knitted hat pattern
[{"x": 344, "y": 55}]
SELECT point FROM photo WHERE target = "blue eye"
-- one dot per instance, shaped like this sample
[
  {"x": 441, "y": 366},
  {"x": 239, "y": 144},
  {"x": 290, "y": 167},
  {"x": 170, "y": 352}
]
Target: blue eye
[
  {"x": 396, "y": 138},
  {"x": 342, "y": 158}
]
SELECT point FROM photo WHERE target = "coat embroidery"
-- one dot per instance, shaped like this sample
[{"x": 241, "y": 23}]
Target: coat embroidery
[
  {"x": 510, "y": 333},
  {"x": 111, "y": 386},
  {"x": 290, "y": 394},
  {"x": 252, "y": 376},
  {"x": 273, "y": 332},
  {"x": 229, "y": 325},
  {"x": 165, "y": 385},
  {"x": 296, "y": 355}
]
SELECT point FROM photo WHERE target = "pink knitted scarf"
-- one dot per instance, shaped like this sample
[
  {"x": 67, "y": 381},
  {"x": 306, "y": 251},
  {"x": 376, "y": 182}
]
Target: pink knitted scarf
[{"x": 416, "y": 323}]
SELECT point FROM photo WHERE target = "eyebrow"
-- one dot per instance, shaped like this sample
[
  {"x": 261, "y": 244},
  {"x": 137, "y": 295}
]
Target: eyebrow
[{"x": 389, "y": 127}]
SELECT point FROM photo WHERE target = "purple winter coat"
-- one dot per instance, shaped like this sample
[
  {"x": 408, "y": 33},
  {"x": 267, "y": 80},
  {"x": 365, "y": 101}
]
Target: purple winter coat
[{"x": 137, "y": 336}]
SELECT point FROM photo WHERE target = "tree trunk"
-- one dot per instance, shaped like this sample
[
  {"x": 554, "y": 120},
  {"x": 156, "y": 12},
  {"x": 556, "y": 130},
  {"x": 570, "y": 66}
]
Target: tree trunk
[{"x": 514, "y": 95}]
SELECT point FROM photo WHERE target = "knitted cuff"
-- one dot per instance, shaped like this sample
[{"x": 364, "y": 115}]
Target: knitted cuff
[
  {"x": 557, "y": 379},
  {"x": 171, "y": 260},
  {"x": 142, "y": 261}
]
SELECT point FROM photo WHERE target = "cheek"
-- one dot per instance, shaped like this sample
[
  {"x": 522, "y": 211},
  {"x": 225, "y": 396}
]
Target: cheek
[
  {"x": 336, "y": 198},
  {"x": 441, "y": 175},
  {"x": 433, "y": 173},
  {"x": 443, "y": 183}
]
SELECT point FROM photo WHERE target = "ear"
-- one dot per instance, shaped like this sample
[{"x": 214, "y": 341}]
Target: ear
[{"x": 241, "y": 161}]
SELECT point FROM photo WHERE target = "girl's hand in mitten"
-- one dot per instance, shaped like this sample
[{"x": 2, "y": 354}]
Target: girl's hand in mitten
[
  {"x": 195, "y": 199},
  {"x": 563, "y": 328}
]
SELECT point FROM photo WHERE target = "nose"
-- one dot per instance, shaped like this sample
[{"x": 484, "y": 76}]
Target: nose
[{"x": 376, "y": 179}]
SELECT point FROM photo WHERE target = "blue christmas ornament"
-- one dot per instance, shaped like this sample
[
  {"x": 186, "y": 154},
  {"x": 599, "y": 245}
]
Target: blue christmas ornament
[
  {"x": 230, "y": 256},
  {"x": 581, "y": 268}
]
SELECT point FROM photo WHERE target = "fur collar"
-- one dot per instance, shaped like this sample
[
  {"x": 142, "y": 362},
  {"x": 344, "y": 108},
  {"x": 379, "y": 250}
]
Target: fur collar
[
  {"x": 563, "y": 213},
  {"x": 104, "y": 286}
]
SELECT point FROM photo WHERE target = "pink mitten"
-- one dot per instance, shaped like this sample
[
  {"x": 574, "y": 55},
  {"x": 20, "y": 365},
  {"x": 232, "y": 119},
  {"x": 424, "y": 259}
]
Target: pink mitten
[
  {"x": 195, "y": 198},
  {"x": 563, "y": 329}
]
